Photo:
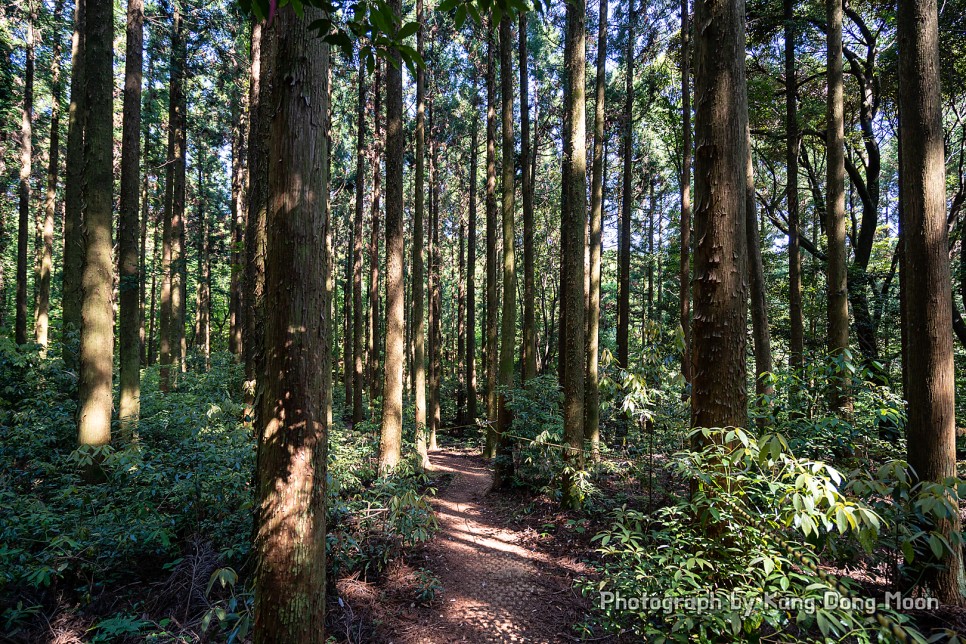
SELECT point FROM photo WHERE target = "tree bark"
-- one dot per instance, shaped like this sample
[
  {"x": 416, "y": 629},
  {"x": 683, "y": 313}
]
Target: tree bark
[
  {"x": 526, "y": 193},
  {"x": 26, "y": 162},
  {"x": 42, "y": 313},
  {"x": 129, "y": 288},
  {"x": 471, "y": 270},
  {"x": 503, "y": 470},
  {"x": 761, "y": 332},
  {"x": 837, "y": 270},
  {"x": 592, "y": 385},
  {"x": 97, "y": 310},
  {"x": 261, "y": 87},
  {"x": 290, "y": 542},
  {"x": 419, "y": 297},
  {"x": 719, "y": 395},
  {"x": 73, "y": 180},
  {"x": 931, "y": 394},
  {"x": 358, "y": 320},
  {"x": 792, "y": 142},
  {"x": 173, "y": 260},
  {"x": 684, "y": 279},
  {"x": 492, "y": 297},
  {"x": 239, "y": 212},
  {"x": 572, "y": 254},
  {"x": 372, "y": 339},
  {"x": 627, "y": 207},
  {"x": 391, "y": 439}
]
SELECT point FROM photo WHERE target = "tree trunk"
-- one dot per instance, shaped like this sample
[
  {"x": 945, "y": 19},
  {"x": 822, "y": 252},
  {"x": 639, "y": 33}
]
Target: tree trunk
[
  {"x": 572, "y": 254},
  {"x": 684, "y": 279},
  {"x": 129, "y": 288},
  {"x": 492, "y": 297},
  {"x": 592, "y": 389},
  {"x": 419, "y": 298},
  {"x": 42, "y": 317},
  {"x": 290, "y": 542},
  {"x": 931, "y": 394},
  {"x": 73, "y": 189},
  {"x": 261, "y": 87},
  {"x": 761, "y": 333},
  {"x": 26, "y": 161},
  {"x": 173, "y": 260},
  {"x": 203, "y": 294},
  {"x": 526, "y": 192},
  {"x": 239, "y": 212},
  {"x": 792, "y": 142},
  {"x": 358, "y": 321},
  {"x": 471, "y": 270},
  {"x": 392, "y": 393},
  {"x": 719, "y": 394},
  {"x": 627, "y": 207},
  {"x": 837, "y": 270},
  {"x": 97, "y": 310},
  {"x": 503, "y": 471},
  {"x": 435, "y": 302},
  {"x": 372, "y": 340}
]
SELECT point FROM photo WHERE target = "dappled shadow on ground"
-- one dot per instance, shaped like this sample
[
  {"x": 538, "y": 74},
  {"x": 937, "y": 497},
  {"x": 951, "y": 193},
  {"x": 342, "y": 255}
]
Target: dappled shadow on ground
[{"x": 496, "y": 587}]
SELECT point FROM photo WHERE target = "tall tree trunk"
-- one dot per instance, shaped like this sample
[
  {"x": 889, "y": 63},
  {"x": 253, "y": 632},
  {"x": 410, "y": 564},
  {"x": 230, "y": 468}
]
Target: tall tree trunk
[
  {"x": 97, "y": 310},
  {"x": 931, "y": 384},
  {"x": 73, "y": 189},
  {"x": 152, "y": 318},
  {"x": 503, "y": 473},
  {"x": 290, "y": 543},
  {"x": 627, "y": 206},
  {"x": 684, "y": 279},
  {"x": 390, "y": 442},
  {"x": 239, "y": 213},
  {"x": 837, "y": 270},
  {"x": 471, "y": 270},
  {"x": 26, "y": 162},
  {"x": 129, "y": 229},
  {"x": 461, "y": 323},
  {"x": 358, "y": 321},
  {"x": 592, "y": 388},
  {"x": 172, "y": 286},
  {"x": 372, "y": 341},
  {"x": 261, "y": 86},
  {"x": 203, "y": 294},
  {"x": 792, "y": 142},
  {"x": 720, "y": 396},
  {"x": 419, "y": 298},
  {"x": 435, "y": 303},
  {"x": 42, "y": 317},
  {"x": 761, "y": 333},
  {"x": 492, "y": 297},
  {"x": 526, "y": 192},
  {"x": 572, "y": 254}
]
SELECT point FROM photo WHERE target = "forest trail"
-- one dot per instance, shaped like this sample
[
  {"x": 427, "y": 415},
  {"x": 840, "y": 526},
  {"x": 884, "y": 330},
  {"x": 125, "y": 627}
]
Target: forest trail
[{"x": 496, "y": 588}]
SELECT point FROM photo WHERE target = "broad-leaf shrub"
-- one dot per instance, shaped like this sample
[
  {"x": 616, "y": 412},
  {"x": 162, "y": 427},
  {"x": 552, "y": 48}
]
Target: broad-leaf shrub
[{"x": 736, "y": 559}]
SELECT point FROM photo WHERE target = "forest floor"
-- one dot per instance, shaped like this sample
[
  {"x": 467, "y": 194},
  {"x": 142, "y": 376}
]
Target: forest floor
[{"x": 503, "y": 577}]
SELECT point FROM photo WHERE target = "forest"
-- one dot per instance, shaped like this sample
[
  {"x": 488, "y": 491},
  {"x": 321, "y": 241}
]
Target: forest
[{"x": 435, "y": 321}]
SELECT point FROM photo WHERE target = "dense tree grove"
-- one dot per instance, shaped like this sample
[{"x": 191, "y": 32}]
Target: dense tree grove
[{"x": 681, "y": 285}]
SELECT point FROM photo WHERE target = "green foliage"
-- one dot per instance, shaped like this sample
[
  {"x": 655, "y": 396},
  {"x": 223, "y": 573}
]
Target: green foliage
[
  {"x": 185, "y": 474},
  {"x": 751, "y": 530}
]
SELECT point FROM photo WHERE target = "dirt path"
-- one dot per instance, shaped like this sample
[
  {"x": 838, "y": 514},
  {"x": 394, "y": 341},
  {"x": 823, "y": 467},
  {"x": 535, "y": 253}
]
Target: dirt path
[{"x": 495, "y": 587}]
